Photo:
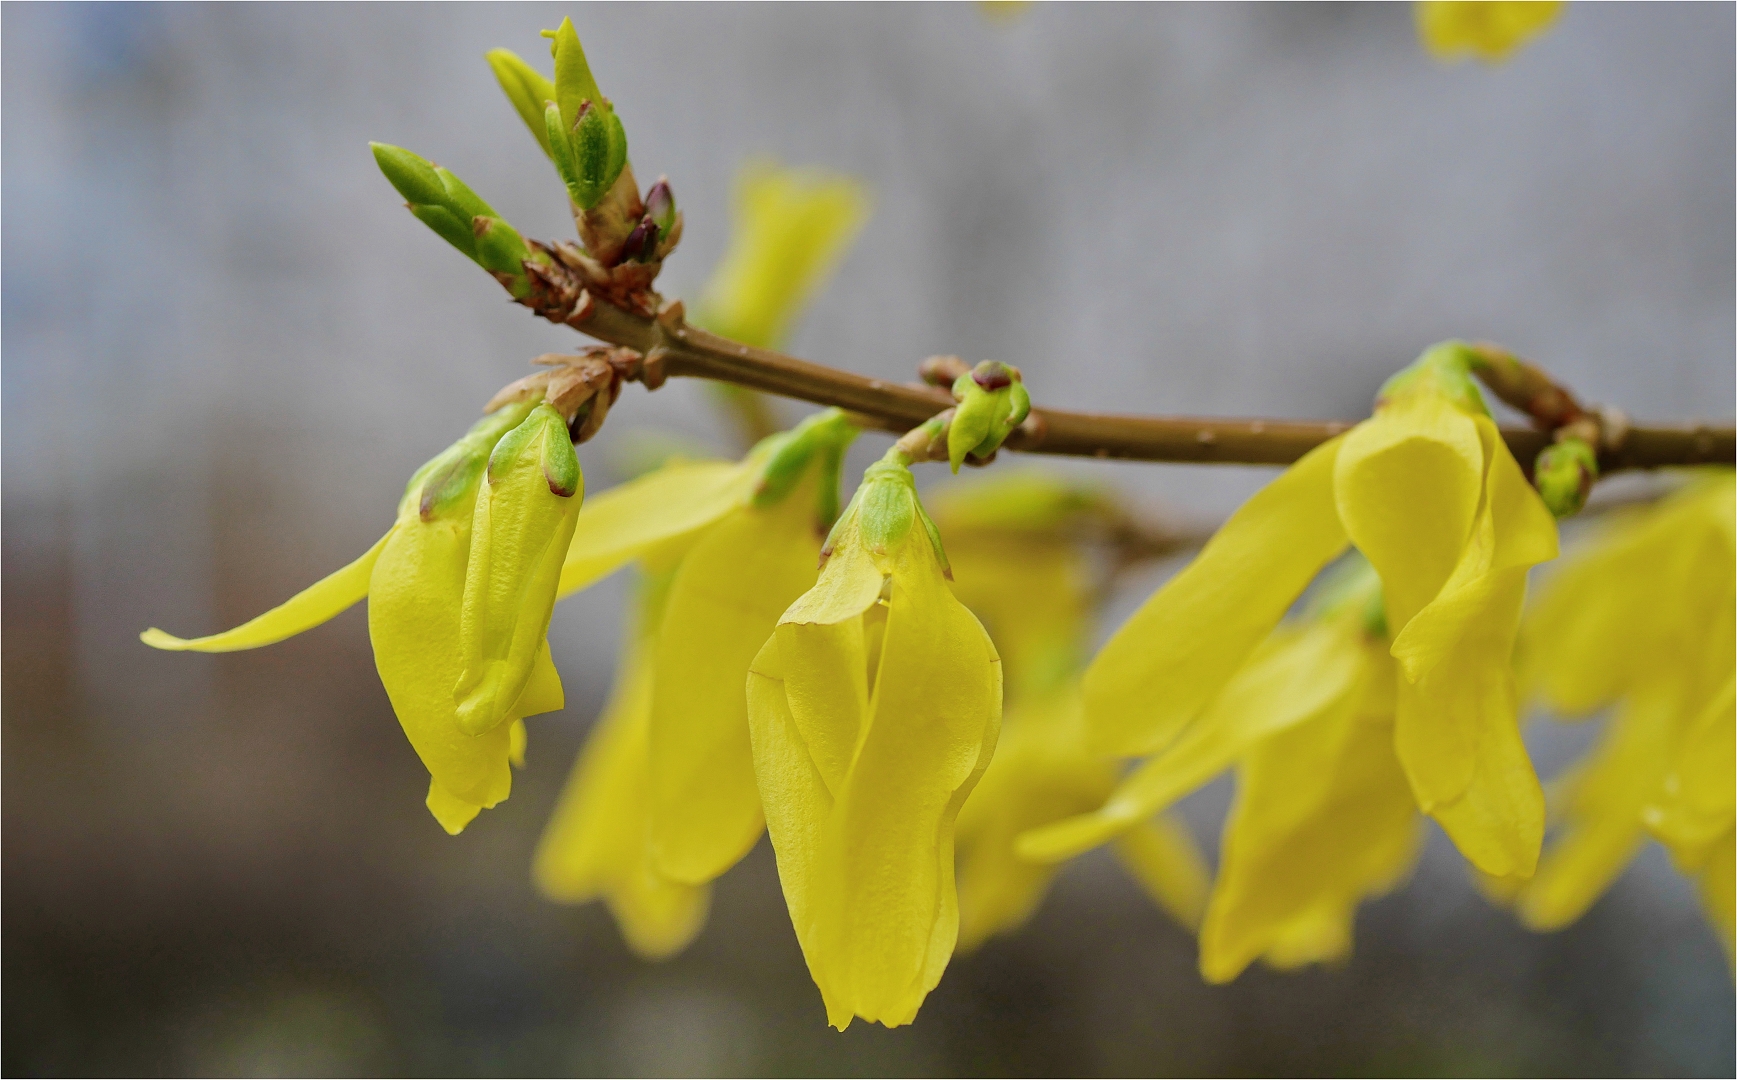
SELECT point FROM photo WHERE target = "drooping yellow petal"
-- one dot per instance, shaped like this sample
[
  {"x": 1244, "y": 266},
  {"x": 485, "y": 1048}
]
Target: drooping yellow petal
[
  {"x": 887, "y": 912},
  {"x": 1177, "y": 652},
  {"x": 452, "y": 812},
  {"x": 1296, "y": 675},
  {"x": 621, "y": 523},
  {"x": 1600, "y": 804},
  {"x": 1489, "y": 29},
  {"x": 789, "y": 229},
  {"x": 598, "y": 842},
  {"x": 724, "y": 603},
  {"x": 1697, "y": 801},
  {"x": 1453, "y": 564},
  {"x": 303, "y": 611},
  {"x": 1162, "y": 856},
  {"x": 1323, "y": 819},
  {"x": 1039, "y": 774},
  {"x": 1717, "y": 881}
]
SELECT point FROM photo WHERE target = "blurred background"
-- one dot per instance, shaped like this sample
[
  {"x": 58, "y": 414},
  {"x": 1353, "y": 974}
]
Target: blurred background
[{"x": 227, "y": 345}]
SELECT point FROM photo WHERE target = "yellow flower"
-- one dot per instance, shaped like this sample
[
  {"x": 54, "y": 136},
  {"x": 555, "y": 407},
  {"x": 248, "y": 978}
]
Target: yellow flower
[
  {"x": 789, "y": 229},
  {"x": 416, "y": 580},
  {"x": 874, "y": 709},
  {"x": 1427, "y": 490},
  {"x": 1490, "y": 29},
  {"x": 1323, "y": 816},
  {"x": 598, "y": 842},
  {"x": 1640, "y": 617},
  {"x": 1694, "y": 816},
  {"x": 1014, "y": 542},
  {"x": 749, "y": 536}
]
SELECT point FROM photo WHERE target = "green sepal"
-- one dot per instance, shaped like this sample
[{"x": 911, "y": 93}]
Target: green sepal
[
  {"x": 526, "y": 88},
  {"x": 1444, "y": 369},
  {"x": 885, "y": 505},
  {"x": 591, "y": 155},
  {"x": 934, "y": 532},
  {"x": 560, "y": 462},
  {"x": 476, "y": 443},
  {"x": 821, "y": 438},
  {"x": 449, "y": 485},
  {"x": 1564, "y": 474}
]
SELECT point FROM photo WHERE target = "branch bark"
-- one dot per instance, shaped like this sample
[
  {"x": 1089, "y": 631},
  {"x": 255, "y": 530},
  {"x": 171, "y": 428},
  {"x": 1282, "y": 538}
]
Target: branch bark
[{"x": 673, "y": 348}]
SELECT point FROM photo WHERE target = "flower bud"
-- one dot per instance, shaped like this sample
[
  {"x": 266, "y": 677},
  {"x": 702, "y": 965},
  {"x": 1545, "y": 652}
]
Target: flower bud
[
  {"x": 585, "y": 137},
  {"x": 520, "y": 532},
  {"x": 660, "y": 205},
  {"x": 1563, "y": 475},
  {"x": 992, "y": 402}
]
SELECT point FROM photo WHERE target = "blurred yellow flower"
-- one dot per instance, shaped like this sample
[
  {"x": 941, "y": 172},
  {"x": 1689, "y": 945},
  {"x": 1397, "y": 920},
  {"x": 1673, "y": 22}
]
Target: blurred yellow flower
[
  {"x": 598, "y": 842},
  {"x": 423, "y": 578},
  {"x": 749, "y": 535},
  {"x": 1323, "y": 818},
  {"x": 874, "y": 709},
  {"x": 1428, "y": 491},
  {"x": 1019, "y": 562},
  {"x": 1641, "y": 617},
  {"x": 789, "y": 229},
  {"x": 1491, "y": 30}
]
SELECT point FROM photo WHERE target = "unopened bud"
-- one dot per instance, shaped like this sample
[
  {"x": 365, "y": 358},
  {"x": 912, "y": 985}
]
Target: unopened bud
[
  {"x": 1564, "y": 474},
  {"x": 660, "y": 205},
  {"x": 522, "y": 526},
  {"x": 499, "y": 247},
  {"x": 992, "y": 402},
  {"x": 585, "y": 137},
  {"x": 641, "y": 243}
]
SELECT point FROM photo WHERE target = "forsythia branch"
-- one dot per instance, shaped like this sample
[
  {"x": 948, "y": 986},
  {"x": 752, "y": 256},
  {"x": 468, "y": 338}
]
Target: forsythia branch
[{"x": 672, "y": 348}]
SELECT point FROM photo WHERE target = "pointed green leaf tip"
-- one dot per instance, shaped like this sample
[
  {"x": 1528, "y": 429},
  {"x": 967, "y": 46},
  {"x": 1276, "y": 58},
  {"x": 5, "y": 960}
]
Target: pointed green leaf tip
[
  {"x": 580, "y": 131},
  {"x": 527, "y": 89},
  {"x": 459, "y": 215}
]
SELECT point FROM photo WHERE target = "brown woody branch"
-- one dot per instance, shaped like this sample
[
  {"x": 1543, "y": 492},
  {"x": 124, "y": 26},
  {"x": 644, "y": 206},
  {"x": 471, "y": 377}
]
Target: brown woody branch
[{"x": 672, "y": 348}]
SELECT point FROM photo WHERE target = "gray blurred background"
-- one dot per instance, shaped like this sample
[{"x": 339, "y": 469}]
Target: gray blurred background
[{"x": 226, "y": 346}]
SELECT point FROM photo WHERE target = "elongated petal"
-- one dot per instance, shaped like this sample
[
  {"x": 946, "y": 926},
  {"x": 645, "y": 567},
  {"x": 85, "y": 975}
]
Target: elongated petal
[
  {"x": 826, "y": 657},
  {"x": 1296, "y": 676},
  {"x": 1717, "y": 879},
  {"x": 617, "y": 525},
  {"x": 1177, "y": 652},
  {"x": 1323, "y": 819},
  {"x": 303, "y": 611},
  {"x": 723, "y": 605},
  {"x": 1039, "y": 774},
  {"x": 887, "y": 912},
  {"x": 598, "y": 843},
  {"x": 1602, "y": 802},
  {"x": 1161, "y": 855},
  {"x": 1697, "y": 800}
]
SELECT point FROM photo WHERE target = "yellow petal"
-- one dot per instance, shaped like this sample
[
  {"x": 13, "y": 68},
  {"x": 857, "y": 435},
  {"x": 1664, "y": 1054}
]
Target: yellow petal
[
  {"x": 1162, "y": 857},
  {"x": 1719, "y": 890},
  {"x": 724, "y": 603},
  {"x": 598, "y": 842},
  {"x": 1408, "y": 483},
  {"x": 1697, "y": 802},
  {"x": 789, "y": 228},
  {"x": 886, "y": 911},
  {"x": 616, "y": 526},
  {"x": 452, "y": 812},
  {"x": 518, "y": 740},
  {"x": 1490, "y": 29},
  {"x": 1323, "y": 819},
  {"x": 414, "y": 599},
  {"x": 1174, "y": 654},
  {"x": 303, "y": 611},
  {"x": 1602, "y": 801},
  {"x": 1297, "y": 675},
  {"x": 1039, "y": 774}
]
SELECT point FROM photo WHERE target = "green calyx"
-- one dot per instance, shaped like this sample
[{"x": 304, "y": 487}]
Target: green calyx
[
  {"x": 993, "y": 402},
  {"x": 1564, "y": 474},
  {"x": 445, "y": 484},
  {"x": 884, "y": 510},
  {"x": 821, "y": 440},
  {"x": 543, "y": 433},
  {"x": 580, "y": 131},
  {"x": 1444, "y": 370},
  {"x": 445, "y": 204}
]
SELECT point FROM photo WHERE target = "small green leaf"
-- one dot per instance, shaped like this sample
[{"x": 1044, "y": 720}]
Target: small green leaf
[
  {"x": 573, "y": 82},
  {"x": 526, "y": 88},
  {"x": 413, "y": 176}
]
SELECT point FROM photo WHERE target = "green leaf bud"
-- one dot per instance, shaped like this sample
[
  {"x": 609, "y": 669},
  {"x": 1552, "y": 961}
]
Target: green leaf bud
[
  {"x": 464, "y": 203},
  {"x": 413, "y": 176},
  {"x": 527, "y": 89},
  {"x": 520, "y": 532},
  {"x": 499, "y": 247},
  {"x": 457, "y": 214},
  {"x": 1564, "y": 474},
  {"x": 448, "y": 227}
]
